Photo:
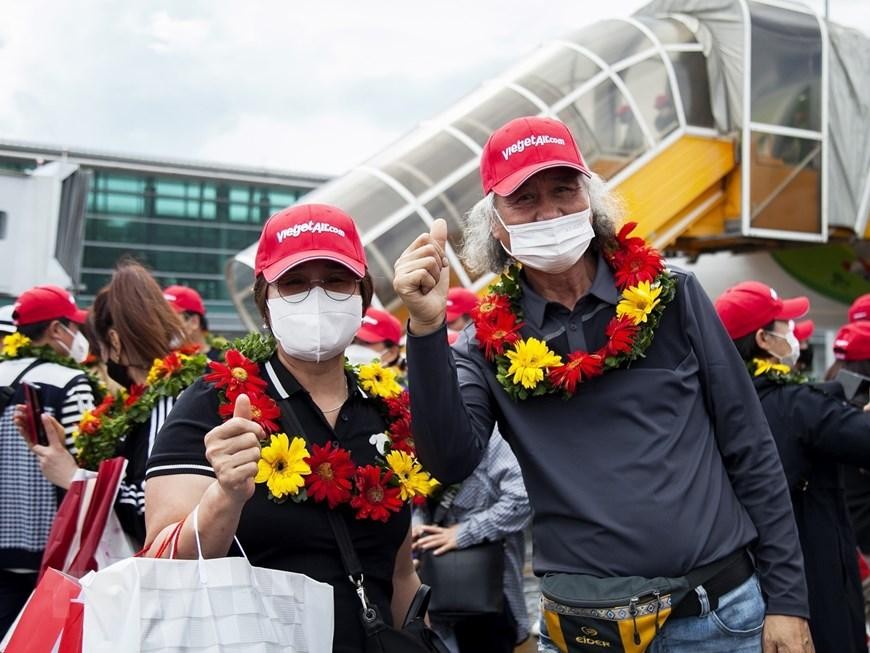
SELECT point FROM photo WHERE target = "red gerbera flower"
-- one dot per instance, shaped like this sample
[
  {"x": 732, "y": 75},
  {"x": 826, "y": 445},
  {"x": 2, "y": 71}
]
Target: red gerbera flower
[
  {"x": 497, "y": 334},
  {"x": 621, "y": 333},
  {"x": 239, "y": 375},
  {"x": 399, "y": 405},
  {"x": 581, "y": 366},
  {"x": 375, "y": 499},
  {"x": 331, "y": 477},
  {"x": 171, "y": 364},
  {"x": 107, "y": 402},
  {"x": 490, "y": 305},
  {"x": 264, "y": 410},
  {"x": 190, "y": 349},
  {"x": 625, "y": 241},
  {"x": 636, "y": 264}
]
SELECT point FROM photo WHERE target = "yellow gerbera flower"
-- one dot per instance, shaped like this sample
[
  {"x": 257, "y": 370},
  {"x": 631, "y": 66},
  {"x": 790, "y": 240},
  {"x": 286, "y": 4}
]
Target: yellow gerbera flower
[
  {"x": 13, "y": 342},
  {"x": 379, "y": 381},
  {"x": 282, "y": 465},
  {"x": 762, "y": 366},
  {"x": 156, "y": 372},
  {"x": 639, "y": 301},
  {"x": 412, "y": 479},
  {"x": 528, "y": 359}
]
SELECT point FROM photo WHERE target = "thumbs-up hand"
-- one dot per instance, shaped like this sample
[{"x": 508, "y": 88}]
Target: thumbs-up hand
[
  {"x": 233, "y": 449},
  {"x": 422, "y": 277}
]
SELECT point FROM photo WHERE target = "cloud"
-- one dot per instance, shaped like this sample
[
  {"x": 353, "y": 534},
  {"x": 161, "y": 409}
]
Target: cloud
[{"x": 171, "y": 34}]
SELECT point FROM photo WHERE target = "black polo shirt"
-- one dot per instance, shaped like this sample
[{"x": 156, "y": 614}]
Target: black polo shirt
[
  {"x": 648, "y": 471},
  {"x": 297, "y": 536}
]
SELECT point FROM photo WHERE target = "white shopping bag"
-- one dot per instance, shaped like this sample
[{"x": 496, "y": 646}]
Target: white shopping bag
[{"x": 221, "y": 604}]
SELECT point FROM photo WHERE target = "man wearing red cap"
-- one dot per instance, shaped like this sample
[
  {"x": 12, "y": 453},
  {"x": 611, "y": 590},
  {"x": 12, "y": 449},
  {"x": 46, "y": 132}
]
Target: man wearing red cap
[
  {"x": 188, "y": 304},
  {"x": 643, "y": 445},
  {"x": 816, "y": 432},
  {"x": 377, "y": 339},
  {"x": 860, "y": 309},
  {"x": 47, "y": 320}
]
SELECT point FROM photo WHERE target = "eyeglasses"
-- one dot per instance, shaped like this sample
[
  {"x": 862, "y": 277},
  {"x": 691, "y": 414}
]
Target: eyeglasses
[{"x": 296, "y": 289}]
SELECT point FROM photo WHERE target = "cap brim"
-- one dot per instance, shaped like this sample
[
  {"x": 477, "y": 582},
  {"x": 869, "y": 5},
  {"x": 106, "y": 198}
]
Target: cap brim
[
  {"x": 366, "y": 335},
  {"x": 79, "y": 316},
  {"x": 794, "y": 308},
  {"x": 513, "y": 181},
  {"x": 274, "y": 271}
]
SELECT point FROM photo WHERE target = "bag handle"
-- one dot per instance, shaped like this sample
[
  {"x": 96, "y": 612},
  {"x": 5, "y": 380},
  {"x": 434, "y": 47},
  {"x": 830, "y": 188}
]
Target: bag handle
[{"x": 203, "y": 574}]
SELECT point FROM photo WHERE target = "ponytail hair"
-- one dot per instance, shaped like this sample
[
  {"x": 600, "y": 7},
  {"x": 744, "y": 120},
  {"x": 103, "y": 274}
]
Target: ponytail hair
[{"x": 133, "y": 304}]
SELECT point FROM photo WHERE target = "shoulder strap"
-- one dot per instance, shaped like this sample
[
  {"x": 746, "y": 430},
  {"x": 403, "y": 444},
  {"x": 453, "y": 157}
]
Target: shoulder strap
[
  {"x": 7, "y": 392},
  {"x": 18, "y": 378},
  {"x": 349, "y": 558}
]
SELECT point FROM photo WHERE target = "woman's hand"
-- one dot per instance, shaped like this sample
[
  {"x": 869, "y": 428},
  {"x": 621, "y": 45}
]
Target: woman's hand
[
  {"x": 233, "y": 449},
  {"x": 429, "y": 536},
  {"x": 55, "y": 461},
  {"x": 422, "y": 277}
]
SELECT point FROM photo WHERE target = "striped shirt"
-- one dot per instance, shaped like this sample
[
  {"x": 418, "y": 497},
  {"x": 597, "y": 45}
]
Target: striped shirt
[{"x": 28, "y": 501}]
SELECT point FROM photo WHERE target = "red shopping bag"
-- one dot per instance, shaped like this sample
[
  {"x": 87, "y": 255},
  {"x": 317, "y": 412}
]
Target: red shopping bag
[
  {"x": 109, "y": 477},
  {"x": 80, "y": 522},
  {"x": 71, "y": 638},
  {"x": 42, "y": 621}
]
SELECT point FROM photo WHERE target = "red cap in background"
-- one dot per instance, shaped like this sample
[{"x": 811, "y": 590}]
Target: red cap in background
[
  {"x": 46, "y": 303},
  {"x": 184, "y": 299},
  {"x": 460, "y": 301},
  {"x": 804, "y": 330},
  {"x": 860, "y": 309},
  {"x": 379, "y": 326},
  {"x": 853, "y": 341},
  {"x": 306, "y": 232},
  {"x": 751, "y": 305},
  {"x": 524, "y": 146}
]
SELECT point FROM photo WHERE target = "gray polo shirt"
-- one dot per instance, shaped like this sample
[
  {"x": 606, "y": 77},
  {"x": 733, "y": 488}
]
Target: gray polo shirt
[{"x": 650, "y": 471}]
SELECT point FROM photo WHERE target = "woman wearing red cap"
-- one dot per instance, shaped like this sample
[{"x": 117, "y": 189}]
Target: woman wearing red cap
[
  {"x": 335, "y": 454},
  {"x": 815, "y": 432}
]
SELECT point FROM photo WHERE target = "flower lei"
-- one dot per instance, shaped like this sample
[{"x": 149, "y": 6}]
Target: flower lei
[
  {"x": 102, "y": 430},
  {"x": 529, "y": 368},
  {"x": 776, "y": 372},
  {"x": 327, "y": 474},
  {"x": 17, "y": 345}
]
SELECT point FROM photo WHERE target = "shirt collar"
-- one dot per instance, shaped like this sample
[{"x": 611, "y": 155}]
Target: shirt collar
[
  {"x": 286, "y": 385},
  {"x": 603, "y": 287}
]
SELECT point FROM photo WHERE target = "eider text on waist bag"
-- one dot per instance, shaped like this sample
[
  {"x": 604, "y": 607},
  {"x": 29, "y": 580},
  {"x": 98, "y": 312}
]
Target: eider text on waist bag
[{"x": 584, "y": 613}]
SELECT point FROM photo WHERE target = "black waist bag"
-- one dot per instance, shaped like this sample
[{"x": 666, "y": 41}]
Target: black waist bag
[{"x": 584, "y": 613}]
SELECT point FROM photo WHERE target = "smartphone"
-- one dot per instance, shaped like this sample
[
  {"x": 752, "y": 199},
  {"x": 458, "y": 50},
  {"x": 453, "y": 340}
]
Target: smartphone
[{"x": 33, "y": 402}]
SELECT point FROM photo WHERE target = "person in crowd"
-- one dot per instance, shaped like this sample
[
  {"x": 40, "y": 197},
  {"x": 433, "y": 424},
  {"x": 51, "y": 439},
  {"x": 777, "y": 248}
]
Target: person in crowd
[
  {"x": 803, "y": 331},
  {"x": 312, "y": 288},
  {"x": 654, "y": 469},
  {"x": 377, "y": 339},
  {"x": 488, "y": 506},
  {"x": 138, "y": 334},
  {"x": 46, "y": 352},
  {"x": 460, "y": 303},
  {"x": 816, "y": 432},
  {"x": 189, "y": 305},
  {"x": 860, "y": 309}
]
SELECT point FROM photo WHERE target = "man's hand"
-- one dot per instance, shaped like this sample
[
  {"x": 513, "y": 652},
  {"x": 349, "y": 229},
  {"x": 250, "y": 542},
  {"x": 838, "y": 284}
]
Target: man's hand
[
  {"x": 233, "y": 449},
  {"x": 422, "y": 277},
  {"x": 439, "y": 538},
  {"x": 784, "y": 634},
  {"x": 55, "y": 461}
]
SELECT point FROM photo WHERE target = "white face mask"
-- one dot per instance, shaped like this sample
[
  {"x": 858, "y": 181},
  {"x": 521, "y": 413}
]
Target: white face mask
[
  {"x": 316, "y": 329},
  {"x": 80, "y": 347},
  {"x": 362, "y": 355},
  {"x": 791, "y": 358},
  {"x": 551, "y": 246}
]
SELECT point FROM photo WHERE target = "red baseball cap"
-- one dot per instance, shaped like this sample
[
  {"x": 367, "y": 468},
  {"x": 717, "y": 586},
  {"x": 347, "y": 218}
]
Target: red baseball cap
[
  {"x": 306, "y": 232},
  {"x": 46, "y": 303},
  {"x": 378, "y": 326},
  {"x": 752, "y": 305},
  {"x": 860, "y": 309},
  {"x": 184, "y": 299},
  {"x": 460, "y": 301},
  {"x": 853, "y": 341},
  {"x": 804, "y": 330},
  {"x": 524, "y": 146}
]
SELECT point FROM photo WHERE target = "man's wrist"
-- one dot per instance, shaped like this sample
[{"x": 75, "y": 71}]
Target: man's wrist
[{"x": 423, "y": 327}]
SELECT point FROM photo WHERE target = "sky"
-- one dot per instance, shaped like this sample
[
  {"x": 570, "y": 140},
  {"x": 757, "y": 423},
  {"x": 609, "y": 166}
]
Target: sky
[{"x": 301, "y": 85}]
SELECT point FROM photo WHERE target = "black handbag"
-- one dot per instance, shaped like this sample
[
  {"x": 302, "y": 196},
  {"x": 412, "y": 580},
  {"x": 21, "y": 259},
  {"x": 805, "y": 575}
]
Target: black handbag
[
  {"x": 414, "y": 636},
  {"x": 465, "y": 582}
]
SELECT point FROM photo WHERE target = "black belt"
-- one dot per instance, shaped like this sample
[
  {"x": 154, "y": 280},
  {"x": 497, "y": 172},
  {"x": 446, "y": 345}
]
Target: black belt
[{"x": 718, "y": 578}]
